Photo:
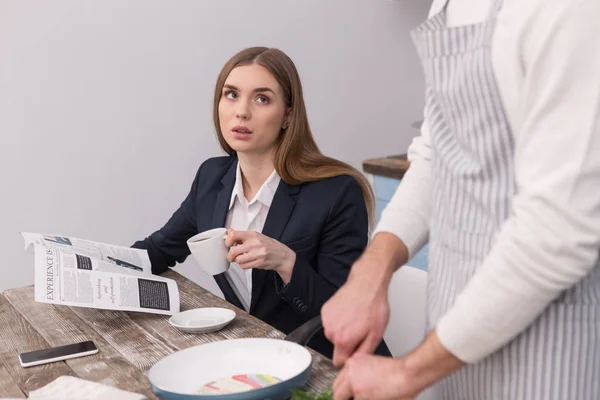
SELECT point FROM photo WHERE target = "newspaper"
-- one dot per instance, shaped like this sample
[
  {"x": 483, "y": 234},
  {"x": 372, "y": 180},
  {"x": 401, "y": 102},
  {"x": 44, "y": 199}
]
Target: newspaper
[{"x": 83, "y": 273}]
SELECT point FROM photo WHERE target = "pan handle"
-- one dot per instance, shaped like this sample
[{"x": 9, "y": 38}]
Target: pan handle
[{"x": 306, "y": 331}]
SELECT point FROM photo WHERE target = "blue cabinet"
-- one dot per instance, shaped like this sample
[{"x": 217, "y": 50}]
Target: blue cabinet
[{"x": 384, "y": 190}]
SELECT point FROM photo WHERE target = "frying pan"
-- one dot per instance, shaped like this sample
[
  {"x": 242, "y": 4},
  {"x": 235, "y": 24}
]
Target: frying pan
[{"x": 180, "y": 375}]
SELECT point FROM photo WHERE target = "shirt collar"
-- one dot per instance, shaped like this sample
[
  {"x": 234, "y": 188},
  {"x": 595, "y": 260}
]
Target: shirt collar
[{"x": 265, "y": 194}]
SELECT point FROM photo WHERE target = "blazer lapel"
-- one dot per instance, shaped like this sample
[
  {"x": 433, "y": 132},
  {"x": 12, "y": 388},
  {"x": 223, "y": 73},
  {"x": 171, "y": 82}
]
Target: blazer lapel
[
  {"x": 224, "y": 197},
  {"x": 277, "y": 218},
  {"x": 220, "y": 215}
]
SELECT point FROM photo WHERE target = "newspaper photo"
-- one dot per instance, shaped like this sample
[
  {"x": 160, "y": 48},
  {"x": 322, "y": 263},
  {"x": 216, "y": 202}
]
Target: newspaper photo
[{"x": 83, "y": 273}]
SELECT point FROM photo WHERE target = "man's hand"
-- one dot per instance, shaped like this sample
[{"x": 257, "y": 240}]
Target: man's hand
[
  {"x": 373, "y": 377},
  {"x": 355, "y": 318}
]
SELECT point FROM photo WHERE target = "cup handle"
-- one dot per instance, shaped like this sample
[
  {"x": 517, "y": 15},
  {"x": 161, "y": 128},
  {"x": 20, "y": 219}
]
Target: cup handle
[{"x": 234, "y": 244}]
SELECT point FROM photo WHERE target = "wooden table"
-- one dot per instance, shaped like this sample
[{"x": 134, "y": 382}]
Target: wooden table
[{"x": 129, "y": 343}]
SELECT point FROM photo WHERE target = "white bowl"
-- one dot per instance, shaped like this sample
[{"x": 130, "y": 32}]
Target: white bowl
[
  {"x": 179, "y": 375},
  {"x": 202, "y": 320}
]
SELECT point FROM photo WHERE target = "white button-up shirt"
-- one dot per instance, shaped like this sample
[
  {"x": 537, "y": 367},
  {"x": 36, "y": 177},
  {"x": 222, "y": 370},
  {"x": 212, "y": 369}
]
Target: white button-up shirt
[{"x": 248, "y": 216}]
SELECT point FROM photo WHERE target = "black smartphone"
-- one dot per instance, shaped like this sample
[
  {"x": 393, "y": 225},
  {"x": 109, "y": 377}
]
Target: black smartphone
[{"x": 59, "y": 353}]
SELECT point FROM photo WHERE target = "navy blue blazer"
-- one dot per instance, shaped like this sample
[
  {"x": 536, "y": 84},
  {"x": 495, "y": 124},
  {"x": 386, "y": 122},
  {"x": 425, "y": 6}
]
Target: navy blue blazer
[{"x": 325, "y": 222}]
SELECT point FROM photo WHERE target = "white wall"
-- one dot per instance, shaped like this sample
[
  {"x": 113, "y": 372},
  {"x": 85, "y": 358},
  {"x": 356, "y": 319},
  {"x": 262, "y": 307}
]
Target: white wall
[{"x": 105, "y": 105}]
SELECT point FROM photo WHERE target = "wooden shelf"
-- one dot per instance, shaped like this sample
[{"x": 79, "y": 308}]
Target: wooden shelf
[{"x": 391, "y": 167}]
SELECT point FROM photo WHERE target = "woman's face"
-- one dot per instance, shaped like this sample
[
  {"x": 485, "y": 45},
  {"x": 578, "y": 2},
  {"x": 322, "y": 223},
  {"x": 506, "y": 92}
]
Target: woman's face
[{"x": 252, "y": 110}]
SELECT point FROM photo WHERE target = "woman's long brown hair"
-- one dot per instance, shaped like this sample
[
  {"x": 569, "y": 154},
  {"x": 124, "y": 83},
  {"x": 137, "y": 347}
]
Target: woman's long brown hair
[{"x": 298, "y": 158}]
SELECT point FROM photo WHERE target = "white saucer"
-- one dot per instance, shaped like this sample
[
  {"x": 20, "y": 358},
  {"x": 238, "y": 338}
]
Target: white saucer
[{"x": 202, "y": 320}]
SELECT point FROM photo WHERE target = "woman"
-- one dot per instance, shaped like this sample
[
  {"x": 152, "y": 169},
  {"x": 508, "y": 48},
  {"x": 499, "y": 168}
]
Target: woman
[{"x": 299, "y": 218}]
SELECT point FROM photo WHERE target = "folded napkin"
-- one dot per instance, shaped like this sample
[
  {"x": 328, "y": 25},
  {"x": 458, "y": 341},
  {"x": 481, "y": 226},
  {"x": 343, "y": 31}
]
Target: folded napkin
[{"x": 72, "y": 388}]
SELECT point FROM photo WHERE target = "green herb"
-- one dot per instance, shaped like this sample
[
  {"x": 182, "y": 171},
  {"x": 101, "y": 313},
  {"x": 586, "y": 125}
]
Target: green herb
[{"x": 303, "y": 395}]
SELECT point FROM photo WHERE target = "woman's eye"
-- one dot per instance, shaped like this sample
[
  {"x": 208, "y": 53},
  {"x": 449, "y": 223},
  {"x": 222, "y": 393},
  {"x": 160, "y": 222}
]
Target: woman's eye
[
  {"x": 262, "y": 99},
  {"x": 231, "y": 95}
]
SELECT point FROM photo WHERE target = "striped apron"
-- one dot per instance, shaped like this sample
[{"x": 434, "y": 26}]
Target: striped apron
[{"x": 558, "y": 356}]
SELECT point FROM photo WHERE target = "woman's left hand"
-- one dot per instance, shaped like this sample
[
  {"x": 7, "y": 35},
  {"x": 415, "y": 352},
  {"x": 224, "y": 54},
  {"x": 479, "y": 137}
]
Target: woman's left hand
[{"x": 255, "y": 250}]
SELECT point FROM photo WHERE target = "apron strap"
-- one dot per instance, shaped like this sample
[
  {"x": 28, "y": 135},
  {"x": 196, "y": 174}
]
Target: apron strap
[
  {"x": 494, "y": 9},
  {"x": 496, "y": 6}
]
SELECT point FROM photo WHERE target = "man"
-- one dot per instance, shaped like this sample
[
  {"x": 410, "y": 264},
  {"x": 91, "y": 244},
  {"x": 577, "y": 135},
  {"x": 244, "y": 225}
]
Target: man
[{"x": 504, "y": 181}]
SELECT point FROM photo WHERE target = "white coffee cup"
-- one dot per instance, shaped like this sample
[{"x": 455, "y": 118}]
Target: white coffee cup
[{"x": 209, "y": 250}]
